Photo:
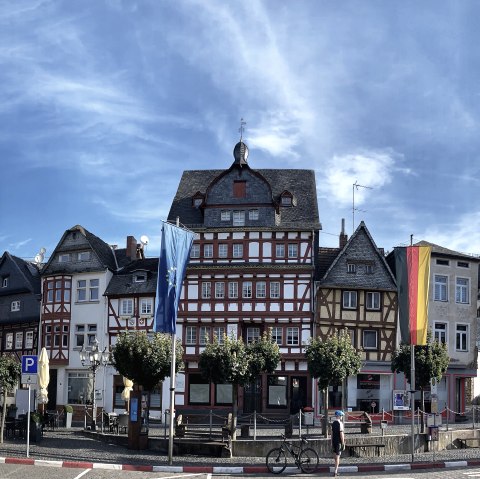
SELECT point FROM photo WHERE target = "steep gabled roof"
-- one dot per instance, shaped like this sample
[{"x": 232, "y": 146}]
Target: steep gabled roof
[
  {"x": 359, "y": 249},
  {"x": 122, "y": 283},
  {"x": 440, "y": 250},
  {"x": 28, "y": 271}
]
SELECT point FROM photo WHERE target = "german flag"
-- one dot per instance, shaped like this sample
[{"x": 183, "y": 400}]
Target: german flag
[{"x": 412, "y": 270}]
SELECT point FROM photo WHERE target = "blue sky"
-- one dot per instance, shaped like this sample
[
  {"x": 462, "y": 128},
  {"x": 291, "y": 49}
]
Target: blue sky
[{"x": 103, "y": 104}]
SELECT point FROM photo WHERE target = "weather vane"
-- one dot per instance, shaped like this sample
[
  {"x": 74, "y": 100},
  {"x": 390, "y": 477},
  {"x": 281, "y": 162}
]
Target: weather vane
[{"x": 242, "y": 127}]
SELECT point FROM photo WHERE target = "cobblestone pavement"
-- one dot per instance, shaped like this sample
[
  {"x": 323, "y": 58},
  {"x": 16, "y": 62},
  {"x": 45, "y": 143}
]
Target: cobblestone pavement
[{"x": 73, "y": 445}]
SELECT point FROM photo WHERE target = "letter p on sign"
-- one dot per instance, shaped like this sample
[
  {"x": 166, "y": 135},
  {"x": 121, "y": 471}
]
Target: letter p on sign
[{"x": 29, "y": 364}]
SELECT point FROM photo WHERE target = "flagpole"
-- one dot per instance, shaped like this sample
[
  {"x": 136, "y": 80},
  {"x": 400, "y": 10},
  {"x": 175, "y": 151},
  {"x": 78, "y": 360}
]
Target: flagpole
[{"x": 412, "y": 396}]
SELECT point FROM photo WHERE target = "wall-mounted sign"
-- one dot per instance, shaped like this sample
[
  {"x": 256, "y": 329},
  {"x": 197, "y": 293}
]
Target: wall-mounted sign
[{"x": 401, "y": 400}]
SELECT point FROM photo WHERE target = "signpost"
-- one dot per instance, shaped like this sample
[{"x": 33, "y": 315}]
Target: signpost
[{"x": 29, "y": 376}]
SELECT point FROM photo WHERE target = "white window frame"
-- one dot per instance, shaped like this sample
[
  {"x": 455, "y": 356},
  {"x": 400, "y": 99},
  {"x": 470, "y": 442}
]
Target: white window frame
[
  {"x": 440, "y": 332},
  {"x": 219, "y": 290},
  {"x": 239, "y": 218},
  {"x": 146, "y": 306},
  {"x": 126, "y": 307},
  {"x": 5, "y": 282},
  {"x": 83, "y": 256},
  {"x": 140, "y": 277},
  {"x": 208, "y": 250},
  {"x": 253, "y": 334},
  {"x": 195, "y": 251},
  {"x": 191, "y": 335},
  {"x": 19, "y": 340},
  {"x": 225, "y": 215},
  {"x": 373, "y": 300},
  {"x": 351, "y": 268},
  {"x": 293, "y": 336},
  {"x": 237, "y": 251},
  {"x": 247, "y": 289},
  {"x": 64, "y": 258},
  {"x": 15, "y": 306},
  {"x": 349, "y": 300},
  {"x": 223, "y": 250},
  {"x": 372, "y": 333},
  {"x": 28, "y": 339},
  {"x": 204, "y": 335},
  {"x": 277, "y": 334},
  {"x": 462, "y": 291},
  {"x": 206, "y": 290},
  {"x": 274, "y": 289},
  {"x": 85, "y": 334},
  {"x": 233, "y": 289},
  {"x": 292, "y": 250},
  {"x": 253, "y": 215},
  {"x": 286, "y": 201},
  {"x": 280, "y": 250},
  {"x": 219, "y": 332},
  {"x": 440, "y": 287},
  {"x": 261, "y": 289},
  {"x": 9, "y": 341},
  {"x": 462, "y": 337}
]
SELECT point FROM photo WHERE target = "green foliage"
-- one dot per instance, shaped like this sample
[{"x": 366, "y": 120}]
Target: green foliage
[
  {"x": 9, "y": 373},
  {"x": 68, "y": 408},
  {"x": 333, "y": 359},
  {"x": 233, "y": 362},
  {"x": 431, "y": 361},
  {"x": 36, "y": 417},
  {"x": 145, "y": 360}
]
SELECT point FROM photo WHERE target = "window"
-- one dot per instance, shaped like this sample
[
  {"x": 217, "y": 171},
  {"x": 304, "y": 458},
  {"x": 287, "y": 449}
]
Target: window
[
  {"x": 140, "y": 277},
  {"x": 206, "y": 290},
  {"x": 223, "y": 394},
  {"x": 204, "y": 335},
  {"x": 238, "y": 250},
  {"x": 65, "y": 335},
  {"x": 219, "y": 333},
  {"x": 191, "y": 335},
  {"x": 64, "y": 258},
  {"x": 253, "y": 215},
  {"x": 441, "y": 288},
  {"x": 247, "y": 289},
  {"x": 443, "y": 262},
  {"x": 461, "y": 290},
  {"x": 197, "y": 202},
  {"x": 239, "y": 189},
  {"x": 286, "y": 201},
  {"x": 93, "y": 290},
  {"x": 277, "y": 335},
  {"x": 208, "y": 251},
  {"x": 440, "y": 332},
  {"x": 83, "y": 256},
  {"x": 369, "y": 269},
  {"x": 350, "y": 299},
  {"x": 19, "y": 340},
  {"x": 219, "y": 290},
  {"x": 373, "y": 300},
  {"x": 48, "y": 336},
  {"x": 463, "y": 264},
  {"x": 4, "y": 281},
  {"x": 225, "y": 215},
  {"x": 239, "y": 218},
  {"x": 292, "y": 337},
  {"x": 198, "y": 390},
  {"x": 293, "y": 250},
  {"x": 369, "y": 340},
  {"x": 233, "y": 289},
  {"x": 461, "y": 337},
  {"x": 80, "y": 388},
  {"x": 277, "y": 391},
  {"x": 15, "y": 306},
  {"x": 85, "y": 334},
  {"x": 9, "y": 341},
  {"x": 275, "y": 289},
  {"x": 261, "y": 289},
  {"x": 253, "y": 334},
  {"x": 58, "y": 291},
  {"x": 222, "y": 250},
  {"x": 351, "y": 268},
  {"x": 195, "y": 251},
  {"x": 126, "y": 307},
  {"x": 280, "y": 250},
  {"x": 146, "y": 306},
  {"x": 29, "y": 339}
]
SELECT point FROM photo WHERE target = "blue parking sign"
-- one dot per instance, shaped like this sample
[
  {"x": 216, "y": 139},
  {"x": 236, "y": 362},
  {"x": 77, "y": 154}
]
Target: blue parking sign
[{"x": 29, "y": 364}]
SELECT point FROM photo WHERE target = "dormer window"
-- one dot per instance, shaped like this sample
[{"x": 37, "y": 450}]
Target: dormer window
[
  {"x": 197, "y": 199},
  {"x": 64, "y": 258},
  {"x": 4, "y": 281},
  {"x": 15, "y": 306},
  {"x": 140, "y": 277},
  {"x": 83, "y": 256},
  {"x": 351, "y": 268},
  {"x": 287, "y": 199}
]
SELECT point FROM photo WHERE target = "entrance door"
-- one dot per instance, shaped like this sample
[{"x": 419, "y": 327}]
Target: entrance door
[
  {"x": 298, "y": 393},
  {"x": 252, "y": 397},
  {"x": 52, "y": 391}
]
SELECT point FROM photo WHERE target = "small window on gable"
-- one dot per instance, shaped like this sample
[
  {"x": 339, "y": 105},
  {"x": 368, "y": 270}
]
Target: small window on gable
[
  {"x": 140, "y": 277},
  {"x": 351, "y": 268},
  {"x": 197, "y": 200},
  {"x": 83, "y": 256},
  {"x": 64, "y": 258},
  {"x": 15, "y": 306},
  {"x": 225, "y": 215},
  {"x": 240, "y": 189},
  {"x": 369, "y": 269},
  {"x": 4, "y": 281},
  {"x": 287, "y": 199}
]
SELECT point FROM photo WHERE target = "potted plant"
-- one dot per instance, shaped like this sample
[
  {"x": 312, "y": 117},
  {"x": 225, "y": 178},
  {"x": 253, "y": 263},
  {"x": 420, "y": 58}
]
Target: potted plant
[
  {"x": 68, "y": 410},
  {"x": 36, "y": 426}
]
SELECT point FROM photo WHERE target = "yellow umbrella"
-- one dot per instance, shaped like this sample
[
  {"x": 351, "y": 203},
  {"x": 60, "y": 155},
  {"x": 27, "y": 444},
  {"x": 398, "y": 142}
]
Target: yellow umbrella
[
  {"x": 128, "y": 386},
  {"x": 43, "y": 376}
]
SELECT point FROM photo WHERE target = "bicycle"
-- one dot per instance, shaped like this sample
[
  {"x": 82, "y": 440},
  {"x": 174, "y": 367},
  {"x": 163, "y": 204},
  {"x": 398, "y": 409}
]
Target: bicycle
[{"x": 306, "y": 459}]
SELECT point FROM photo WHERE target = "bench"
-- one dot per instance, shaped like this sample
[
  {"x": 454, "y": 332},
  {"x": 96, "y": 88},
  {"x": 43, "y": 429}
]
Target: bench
[
  {"x": 354, "y": 449},
  {"x": 359, "y": 419},
  {"x": 465, "y": 440}
]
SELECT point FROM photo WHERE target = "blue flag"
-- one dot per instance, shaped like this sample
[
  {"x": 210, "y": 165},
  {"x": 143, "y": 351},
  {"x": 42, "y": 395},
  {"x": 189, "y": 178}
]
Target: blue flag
[{"x": 174, "y": 256}]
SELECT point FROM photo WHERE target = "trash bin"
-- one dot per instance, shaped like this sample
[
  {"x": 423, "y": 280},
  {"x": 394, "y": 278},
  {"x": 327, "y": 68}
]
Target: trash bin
[{"x": 308, "y": 416}]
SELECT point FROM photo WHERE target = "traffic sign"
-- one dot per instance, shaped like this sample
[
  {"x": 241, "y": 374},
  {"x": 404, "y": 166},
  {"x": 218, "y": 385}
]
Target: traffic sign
[
  {"x": 29, "y": 365},
  {"x": 29, "y": 379}
]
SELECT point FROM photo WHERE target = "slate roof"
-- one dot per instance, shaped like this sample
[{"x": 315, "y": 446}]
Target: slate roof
[
  {"x": 359, "y": 249},
  {"x": 440, "y": 250},
  {"x": 122, "y": 282},
  {"x": 301, "y": 183},
  {"x": 28, "y": 271}
]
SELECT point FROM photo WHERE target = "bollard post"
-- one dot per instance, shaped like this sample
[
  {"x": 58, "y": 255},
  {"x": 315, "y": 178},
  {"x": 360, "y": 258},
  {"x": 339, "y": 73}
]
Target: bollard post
[
  {"x": 255, "y": 425},
  {"x": 300, "y": 423},
  {"x": 211, "y": 423}
]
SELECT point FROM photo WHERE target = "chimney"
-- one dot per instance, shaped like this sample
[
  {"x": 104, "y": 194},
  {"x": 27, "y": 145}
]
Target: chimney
[
  {"x": 343, "y": 238},
  {"x": 131, "y": 247}
]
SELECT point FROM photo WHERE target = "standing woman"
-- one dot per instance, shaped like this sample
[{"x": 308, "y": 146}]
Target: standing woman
[{"x": 338, "y": 439}]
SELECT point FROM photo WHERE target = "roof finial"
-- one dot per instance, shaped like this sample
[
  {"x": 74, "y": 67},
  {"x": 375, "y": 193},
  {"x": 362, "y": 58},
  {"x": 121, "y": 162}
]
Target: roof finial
[{"x": 242, "y": 127}]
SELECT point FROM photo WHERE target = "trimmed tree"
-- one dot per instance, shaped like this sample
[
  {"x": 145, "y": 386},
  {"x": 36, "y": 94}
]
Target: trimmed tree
[
  {"x": 431, "y": 362},
  {"x": 9, "y": 373},
  {"x": 233, "y": 362},
  {"x": 331, "y": 361},
  {"x": 145, "y": 359}
]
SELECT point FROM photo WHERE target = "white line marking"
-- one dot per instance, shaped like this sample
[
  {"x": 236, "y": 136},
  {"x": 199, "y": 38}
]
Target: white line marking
[
  {"x": 82, "y": 474},
  {"x": 176, "y": 476}
]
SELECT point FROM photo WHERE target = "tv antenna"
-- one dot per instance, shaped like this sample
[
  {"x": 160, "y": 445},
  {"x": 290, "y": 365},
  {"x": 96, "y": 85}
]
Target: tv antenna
[
  {"x": 40, "y": 256},
  {"x": 242, "y": 127},
  {"x": 355, "y": 186},
  {"x": 144, "y": 240}
]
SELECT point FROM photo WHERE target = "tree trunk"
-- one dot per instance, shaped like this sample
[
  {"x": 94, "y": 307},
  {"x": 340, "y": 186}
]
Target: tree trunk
[
  {"x": 4, "y": 413},
  {"x": 325, "y": 413}
]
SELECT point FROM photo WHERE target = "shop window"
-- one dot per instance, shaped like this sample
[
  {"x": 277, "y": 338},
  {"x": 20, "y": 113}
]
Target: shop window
[
  {"x": 223, "y": 394},
  {"x": 277, "y": 391},
  {"x": 198, "y": 390}
]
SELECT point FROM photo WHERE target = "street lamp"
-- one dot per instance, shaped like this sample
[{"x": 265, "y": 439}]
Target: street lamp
[{"x": 93, "y": 359}]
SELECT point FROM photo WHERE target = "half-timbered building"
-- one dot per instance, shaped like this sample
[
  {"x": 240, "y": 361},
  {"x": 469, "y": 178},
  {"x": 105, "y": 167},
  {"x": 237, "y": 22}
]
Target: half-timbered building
[
  {"x": 357, "y": 291},
  {"x": 251, "y": 271}
]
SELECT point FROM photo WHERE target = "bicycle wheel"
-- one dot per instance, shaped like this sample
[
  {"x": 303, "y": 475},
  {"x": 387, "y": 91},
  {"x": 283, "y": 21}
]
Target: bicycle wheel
[
  {"x": 276, "y": 460},
  {"x": 308, "y": 460}
]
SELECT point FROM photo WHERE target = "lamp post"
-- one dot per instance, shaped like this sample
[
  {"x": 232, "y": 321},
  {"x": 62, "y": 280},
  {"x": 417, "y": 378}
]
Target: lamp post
[{"x": 93, "y": 359}]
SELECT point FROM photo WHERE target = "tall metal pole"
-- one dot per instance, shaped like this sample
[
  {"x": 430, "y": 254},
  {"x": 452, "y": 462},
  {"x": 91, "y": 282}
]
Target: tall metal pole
[{"x": 412, "y": 397}]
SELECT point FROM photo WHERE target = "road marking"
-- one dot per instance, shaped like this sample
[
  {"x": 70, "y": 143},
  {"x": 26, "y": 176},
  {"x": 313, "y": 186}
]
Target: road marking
[
  {"x": 82, "y": 474},
  {"x": 176, "y": 476}
]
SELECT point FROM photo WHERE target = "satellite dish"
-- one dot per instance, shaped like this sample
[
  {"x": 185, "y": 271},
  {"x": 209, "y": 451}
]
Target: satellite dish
[
  {"x": 38, "y": 258},
  {"x": 43, "y": 250},
  {"x": 144, "y": 239}
]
